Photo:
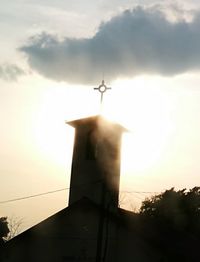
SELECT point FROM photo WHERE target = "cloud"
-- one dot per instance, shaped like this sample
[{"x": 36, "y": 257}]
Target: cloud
[
  {"x": 10, "y": 72},
  {"x": 135, "y": 42}
]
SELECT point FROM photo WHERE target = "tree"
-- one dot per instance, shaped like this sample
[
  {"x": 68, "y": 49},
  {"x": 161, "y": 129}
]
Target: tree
[
  {"x": 14, "y": 225},
  {"x": 179, "y": 209},
  {"x": 175, "y": 219},
  {"x": 4, "y": 230}
]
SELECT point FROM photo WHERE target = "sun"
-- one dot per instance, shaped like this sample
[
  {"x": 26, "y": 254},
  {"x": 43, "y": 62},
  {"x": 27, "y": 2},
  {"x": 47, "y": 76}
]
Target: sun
[{"x": 140, "y": 105}]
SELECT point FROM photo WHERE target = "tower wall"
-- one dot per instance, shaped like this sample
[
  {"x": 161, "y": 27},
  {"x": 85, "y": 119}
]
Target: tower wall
[{"x": 95, "y": 169}]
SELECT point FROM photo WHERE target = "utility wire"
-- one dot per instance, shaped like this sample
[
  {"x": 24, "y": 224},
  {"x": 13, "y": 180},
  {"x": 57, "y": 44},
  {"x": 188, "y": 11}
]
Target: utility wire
[
  {"x": 32, "y": 196},
  {"x": 44, "y": 193},
  {"x": 140, "y": 192},
  {"x": 63, "y": 189}
]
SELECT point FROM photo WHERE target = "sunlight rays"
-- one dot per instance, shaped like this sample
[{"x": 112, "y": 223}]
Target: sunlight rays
[{"x": 140, "y": 105}]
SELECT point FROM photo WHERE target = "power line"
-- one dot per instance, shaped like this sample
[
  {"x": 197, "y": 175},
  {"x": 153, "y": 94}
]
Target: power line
[
  {"x": 32, "y": 196},
  {"x": 44, "y": 193},
  {"x": 140, "y": 192},
  {"x": 64, "y": 189}
]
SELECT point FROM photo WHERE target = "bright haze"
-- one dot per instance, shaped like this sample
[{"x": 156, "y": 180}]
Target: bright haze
[{"x": 53, "y": 53}]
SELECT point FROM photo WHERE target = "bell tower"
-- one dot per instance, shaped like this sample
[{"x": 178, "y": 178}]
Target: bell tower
[{"x": 95, "y": 171}]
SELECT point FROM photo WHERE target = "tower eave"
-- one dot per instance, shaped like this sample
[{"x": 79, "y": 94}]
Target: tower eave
[{"x": 94, "y": 119}]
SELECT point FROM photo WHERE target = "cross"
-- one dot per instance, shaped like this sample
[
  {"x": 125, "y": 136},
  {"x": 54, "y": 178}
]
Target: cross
[{"x": 102, "y": 88}]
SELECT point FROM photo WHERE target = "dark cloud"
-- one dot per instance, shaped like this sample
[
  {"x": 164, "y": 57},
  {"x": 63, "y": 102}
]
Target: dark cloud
[
  {"x": 10, "y": 72},
  {"x": 135, "y": 42}
]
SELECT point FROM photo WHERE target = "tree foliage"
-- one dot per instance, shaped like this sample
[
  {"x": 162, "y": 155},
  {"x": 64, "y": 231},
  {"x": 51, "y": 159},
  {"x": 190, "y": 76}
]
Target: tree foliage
[
  {"x": 4, "y": 230},
  {"x": 14, "y": 225},
  {"x": 174, "y": 217},
  {"x": 179, "y": 209}
]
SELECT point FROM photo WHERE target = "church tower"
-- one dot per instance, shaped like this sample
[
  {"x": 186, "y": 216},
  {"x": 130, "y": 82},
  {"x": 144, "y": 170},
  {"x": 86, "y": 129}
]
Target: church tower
[{"x": 95, "y": 171}]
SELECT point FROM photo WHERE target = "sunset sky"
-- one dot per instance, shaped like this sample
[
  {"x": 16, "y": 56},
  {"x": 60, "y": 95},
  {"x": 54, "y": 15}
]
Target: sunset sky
[{"x": 52, "y": 55}]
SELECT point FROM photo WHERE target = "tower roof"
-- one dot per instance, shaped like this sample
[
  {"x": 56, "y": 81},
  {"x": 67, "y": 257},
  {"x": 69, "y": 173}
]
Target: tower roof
[{"x": 93, "y": 120}]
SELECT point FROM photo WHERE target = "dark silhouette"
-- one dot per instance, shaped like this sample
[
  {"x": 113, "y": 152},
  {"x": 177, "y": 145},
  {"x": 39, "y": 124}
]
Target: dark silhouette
[
  {"x": 14, "y": 225},
  {"x": 171, "y": 221},
  {"x": 4, "y": 230}
]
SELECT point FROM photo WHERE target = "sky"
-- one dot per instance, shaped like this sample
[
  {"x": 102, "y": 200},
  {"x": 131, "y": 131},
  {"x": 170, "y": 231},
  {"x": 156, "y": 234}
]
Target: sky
[{"x": 52, "y": 55}]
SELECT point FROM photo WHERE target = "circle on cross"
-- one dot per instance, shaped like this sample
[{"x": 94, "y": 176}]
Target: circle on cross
[{"x": 102, "y": 88}]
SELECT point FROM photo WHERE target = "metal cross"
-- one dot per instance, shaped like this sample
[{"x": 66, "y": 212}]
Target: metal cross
[{"x": 102, "y": 88}]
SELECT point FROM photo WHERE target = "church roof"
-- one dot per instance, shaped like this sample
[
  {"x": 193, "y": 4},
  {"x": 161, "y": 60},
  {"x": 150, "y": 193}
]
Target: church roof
[
  {"x": 84, "y": 205},
  {"x": 59, "y": 227}
]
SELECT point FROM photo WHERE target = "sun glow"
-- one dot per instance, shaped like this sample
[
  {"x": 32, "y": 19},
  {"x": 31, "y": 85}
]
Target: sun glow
[
  {"x": 145, "y": 110},
  {"x": 140, "y": 105},
  {"x": 59, "y": 103}
]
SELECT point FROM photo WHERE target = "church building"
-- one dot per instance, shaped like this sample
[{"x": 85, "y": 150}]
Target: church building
[{"x": 93, "y": 227}]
